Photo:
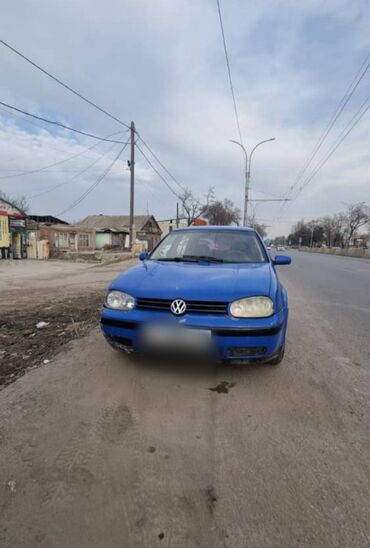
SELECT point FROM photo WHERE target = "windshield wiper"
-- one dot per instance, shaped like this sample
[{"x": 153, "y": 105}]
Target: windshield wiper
[
  {"x": 202, "y": 258},
  {"x": 190, "y": 258},
  {"x": 167, "y": 259}
]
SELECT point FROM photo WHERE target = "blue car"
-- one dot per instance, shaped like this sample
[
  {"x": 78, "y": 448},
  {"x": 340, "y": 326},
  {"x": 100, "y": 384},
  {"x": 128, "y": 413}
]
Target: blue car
[{"x": 212, "y": 289}]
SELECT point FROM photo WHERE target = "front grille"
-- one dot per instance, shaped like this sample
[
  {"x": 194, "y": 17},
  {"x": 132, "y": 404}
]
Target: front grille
[
  {"x": 119, "y": 323},
  {"x": 247, "y": 331},
  {"x": 236, "y": 351},
  {"x": 197, "y": 307}
]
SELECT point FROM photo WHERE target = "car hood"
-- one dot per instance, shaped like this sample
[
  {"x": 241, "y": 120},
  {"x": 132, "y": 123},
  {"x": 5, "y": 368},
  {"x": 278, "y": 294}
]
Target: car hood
[{"x": 195, "y": 281}]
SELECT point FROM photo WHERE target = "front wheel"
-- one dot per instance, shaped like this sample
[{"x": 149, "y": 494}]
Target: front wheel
[{"x": 278, "y": 358}]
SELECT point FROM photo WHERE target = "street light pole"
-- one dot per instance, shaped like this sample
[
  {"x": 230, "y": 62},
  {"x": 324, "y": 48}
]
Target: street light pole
[
  {"x": 248, "y": 173},
  {"x": 247, "y": 178}
]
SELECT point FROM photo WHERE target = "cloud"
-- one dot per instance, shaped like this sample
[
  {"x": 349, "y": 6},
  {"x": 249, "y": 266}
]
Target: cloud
[{"x": 161, "y": 64}]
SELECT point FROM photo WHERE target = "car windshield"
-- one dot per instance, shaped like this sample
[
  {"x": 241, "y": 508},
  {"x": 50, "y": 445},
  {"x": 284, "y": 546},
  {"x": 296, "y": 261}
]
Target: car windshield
[{"x": 223, "y": 246}]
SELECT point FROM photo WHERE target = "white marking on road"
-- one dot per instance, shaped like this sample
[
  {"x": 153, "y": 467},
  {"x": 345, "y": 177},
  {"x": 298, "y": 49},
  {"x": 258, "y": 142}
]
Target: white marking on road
[{"x": 355, "y": 271}]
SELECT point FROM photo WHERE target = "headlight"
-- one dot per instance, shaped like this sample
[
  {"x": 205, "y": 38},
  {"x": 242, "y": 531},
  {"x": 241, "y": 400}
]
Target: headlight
[
  {"x": 252, "y": 307},
  {"x": 120, "y": 300}
]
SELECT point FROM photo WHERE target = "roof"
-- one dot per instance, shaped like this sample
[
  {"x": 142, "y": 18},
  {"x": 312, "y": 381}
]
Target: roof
[
  {"x": 47, "y": 219},
  {"x": 66, "y": 227},
  {"x": 9, "y": 209},
  {"x": 109, "y": 229},
  {"x": 117, "y": 222}
]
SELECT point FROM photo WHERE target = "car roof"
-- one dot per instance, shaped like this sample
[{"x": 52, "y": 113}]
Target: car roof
[{"x": 215, "y": 228}]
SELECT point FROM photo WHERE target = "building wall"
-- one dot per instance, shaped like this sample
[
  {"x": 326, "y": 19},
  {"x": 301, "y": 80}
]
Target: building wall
[
  {"x": 36, "y": 248},
  {"x": 150, "y": 233},
  {"x": 4, "y": 231},
  {"x": 102, "y": 239},
  {"x": 117, "y": 239},
  {"x": 169, "y": 225},
  {"x": 68, "y": 239}
]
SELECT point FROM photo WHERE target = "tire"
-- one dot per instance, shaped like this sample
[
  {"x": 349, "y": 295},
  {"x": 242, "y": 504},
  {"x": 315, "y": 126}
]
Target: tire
[{"x": 278, "y": 358}]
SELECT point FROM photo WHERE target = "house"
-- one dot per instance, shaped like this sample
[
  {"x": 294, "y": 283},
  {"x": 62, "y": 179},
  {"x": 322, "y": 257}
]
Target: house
[
  {"x": 63, "y": 238},
  {"x": 50, "y": 236},
  {"x": 12, "y": 231},
  {"x": 113, "y": 230},
  {"x": 199, "y": 222},
  {"x": 167, "y": 225},
  {"x": 110, "y": 232}
]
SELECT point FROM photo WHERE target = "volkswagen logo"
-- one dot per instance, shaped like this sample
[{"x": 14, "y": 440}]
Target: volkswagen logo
[{"x": 178, "y": 307}]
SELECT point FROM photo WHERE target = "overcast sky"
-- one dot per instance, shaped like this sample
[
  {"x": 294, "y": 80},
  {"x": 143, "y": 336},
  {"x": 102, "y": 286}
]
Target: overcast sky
[{"x": 161, "y": 64}]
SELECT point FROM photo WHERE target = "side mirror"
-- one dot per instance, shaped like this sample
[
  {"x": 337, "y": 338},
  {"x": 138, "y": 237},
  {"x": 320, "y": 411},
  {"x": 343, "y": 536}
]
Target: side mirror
[
  {"x": 143, "y": 256},
  {"x": 281, "y": 259}
]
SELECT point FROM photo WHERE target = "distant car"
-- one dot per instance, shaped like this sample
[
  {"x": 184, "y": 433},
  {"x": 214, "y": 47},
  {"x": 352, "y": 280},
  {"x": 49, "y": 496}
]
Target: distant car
[
  {"x": 269, "y": 247},
  {"x": 213, "y": 288},
  {"x": 280, "y": 248}
]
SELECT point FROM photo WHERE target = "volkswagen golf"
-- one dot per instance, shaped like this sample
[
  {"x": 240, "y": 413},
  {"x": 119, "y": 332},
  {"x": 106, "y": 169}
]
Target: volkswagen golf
[{"x": 202, "y": 289}]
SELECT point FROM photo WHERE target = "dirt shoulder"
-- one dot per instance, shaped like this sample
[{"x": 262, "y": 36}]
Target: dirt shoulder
[{"x": 43, "y": 307}]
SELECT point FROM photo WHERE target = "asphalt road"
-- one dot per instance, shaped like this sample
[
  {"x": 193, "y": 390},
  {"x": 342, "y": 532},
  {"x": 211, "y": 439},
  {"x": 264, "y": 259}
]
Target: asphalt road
[
  {"x": 97, "y": 451},
  {"x": 339, "y": 287}
]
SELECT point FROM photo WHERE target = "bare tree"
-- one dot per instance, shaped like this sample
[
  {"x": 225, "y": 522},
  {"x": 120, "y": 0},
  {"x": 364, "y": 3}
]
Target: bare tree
[
  {"x": 356, "y": 216},
  {"x": 279, "y": 240},
  {"x": 222, "y": 213},
  {"x": 261, "y": 229},
  {"x": 193, "y": 206},
  {"x": 338, "y": 229},
  {"x": 21, "y": 202},
  {"x": 332, "y": 229}
]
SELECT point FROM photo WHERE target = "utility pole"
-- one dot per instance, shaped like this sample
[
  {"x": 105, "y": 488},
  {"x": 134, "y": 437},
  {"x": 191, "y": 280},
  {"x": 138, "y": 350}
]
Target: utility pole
[
  {"x": 248, "y": 174},
  {"x": 132, "y": 183},
  {"x": 177, "y": 215}
]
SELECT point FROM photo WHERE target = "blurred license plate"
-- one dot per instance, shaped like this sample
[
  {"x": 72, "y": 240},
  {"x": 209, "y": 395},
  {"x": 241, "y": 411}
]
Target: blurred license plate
[{"x": 165, "y": 337}]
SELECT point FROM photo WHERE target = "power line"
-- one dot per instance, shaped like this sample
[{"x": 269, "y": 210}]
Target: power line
[
  {"x": 30, "y": 172},
  {"x": 20, "y": 117},
  {"x": 94, "y": 185},
  {"x": 14, "y": 115},
  {"x": 158, "y": 173},
  {"x": 264, "y": 192},
  {"x": 160, "y": 163},
  {"x": 66, "y": 86},
  {"x": 91, "y": 103},
  {"x": 74, "y": 176},
  {"x": 347, "y": 130},
  {"x": 229, "y": 71},
  {"x": 338, "y": 111},
  {"x": 271, "y": 200},
  {"x": 59, "y": 124}
]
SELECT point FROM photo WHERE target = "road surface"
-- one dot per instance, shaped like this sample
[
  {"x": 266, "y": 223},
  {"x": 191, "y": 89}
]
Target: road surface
[
  {"x": 97, "y": 451},
  {"x": 339, "y": 287}
]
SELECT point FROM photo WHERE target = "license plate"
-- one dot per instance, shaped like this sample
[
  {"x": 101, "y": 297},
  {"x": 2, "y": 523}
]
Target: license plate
[{"x": 168, "y": 337}]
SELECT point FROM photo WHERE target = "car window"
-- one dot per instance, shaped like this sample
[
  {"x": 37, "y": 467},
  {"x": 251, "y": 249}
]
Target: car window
[{"x": 223, "y": 245}]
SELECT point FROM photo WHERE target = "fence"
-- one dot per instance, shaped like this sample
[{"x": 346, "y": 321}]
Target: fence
[{"x": 344, "y": 251}]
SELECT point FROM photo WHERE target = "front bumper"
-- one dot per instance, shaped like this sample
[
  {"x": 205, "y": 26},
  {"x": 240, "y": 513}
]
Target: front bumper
[{"x": 259, "y": 338}]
